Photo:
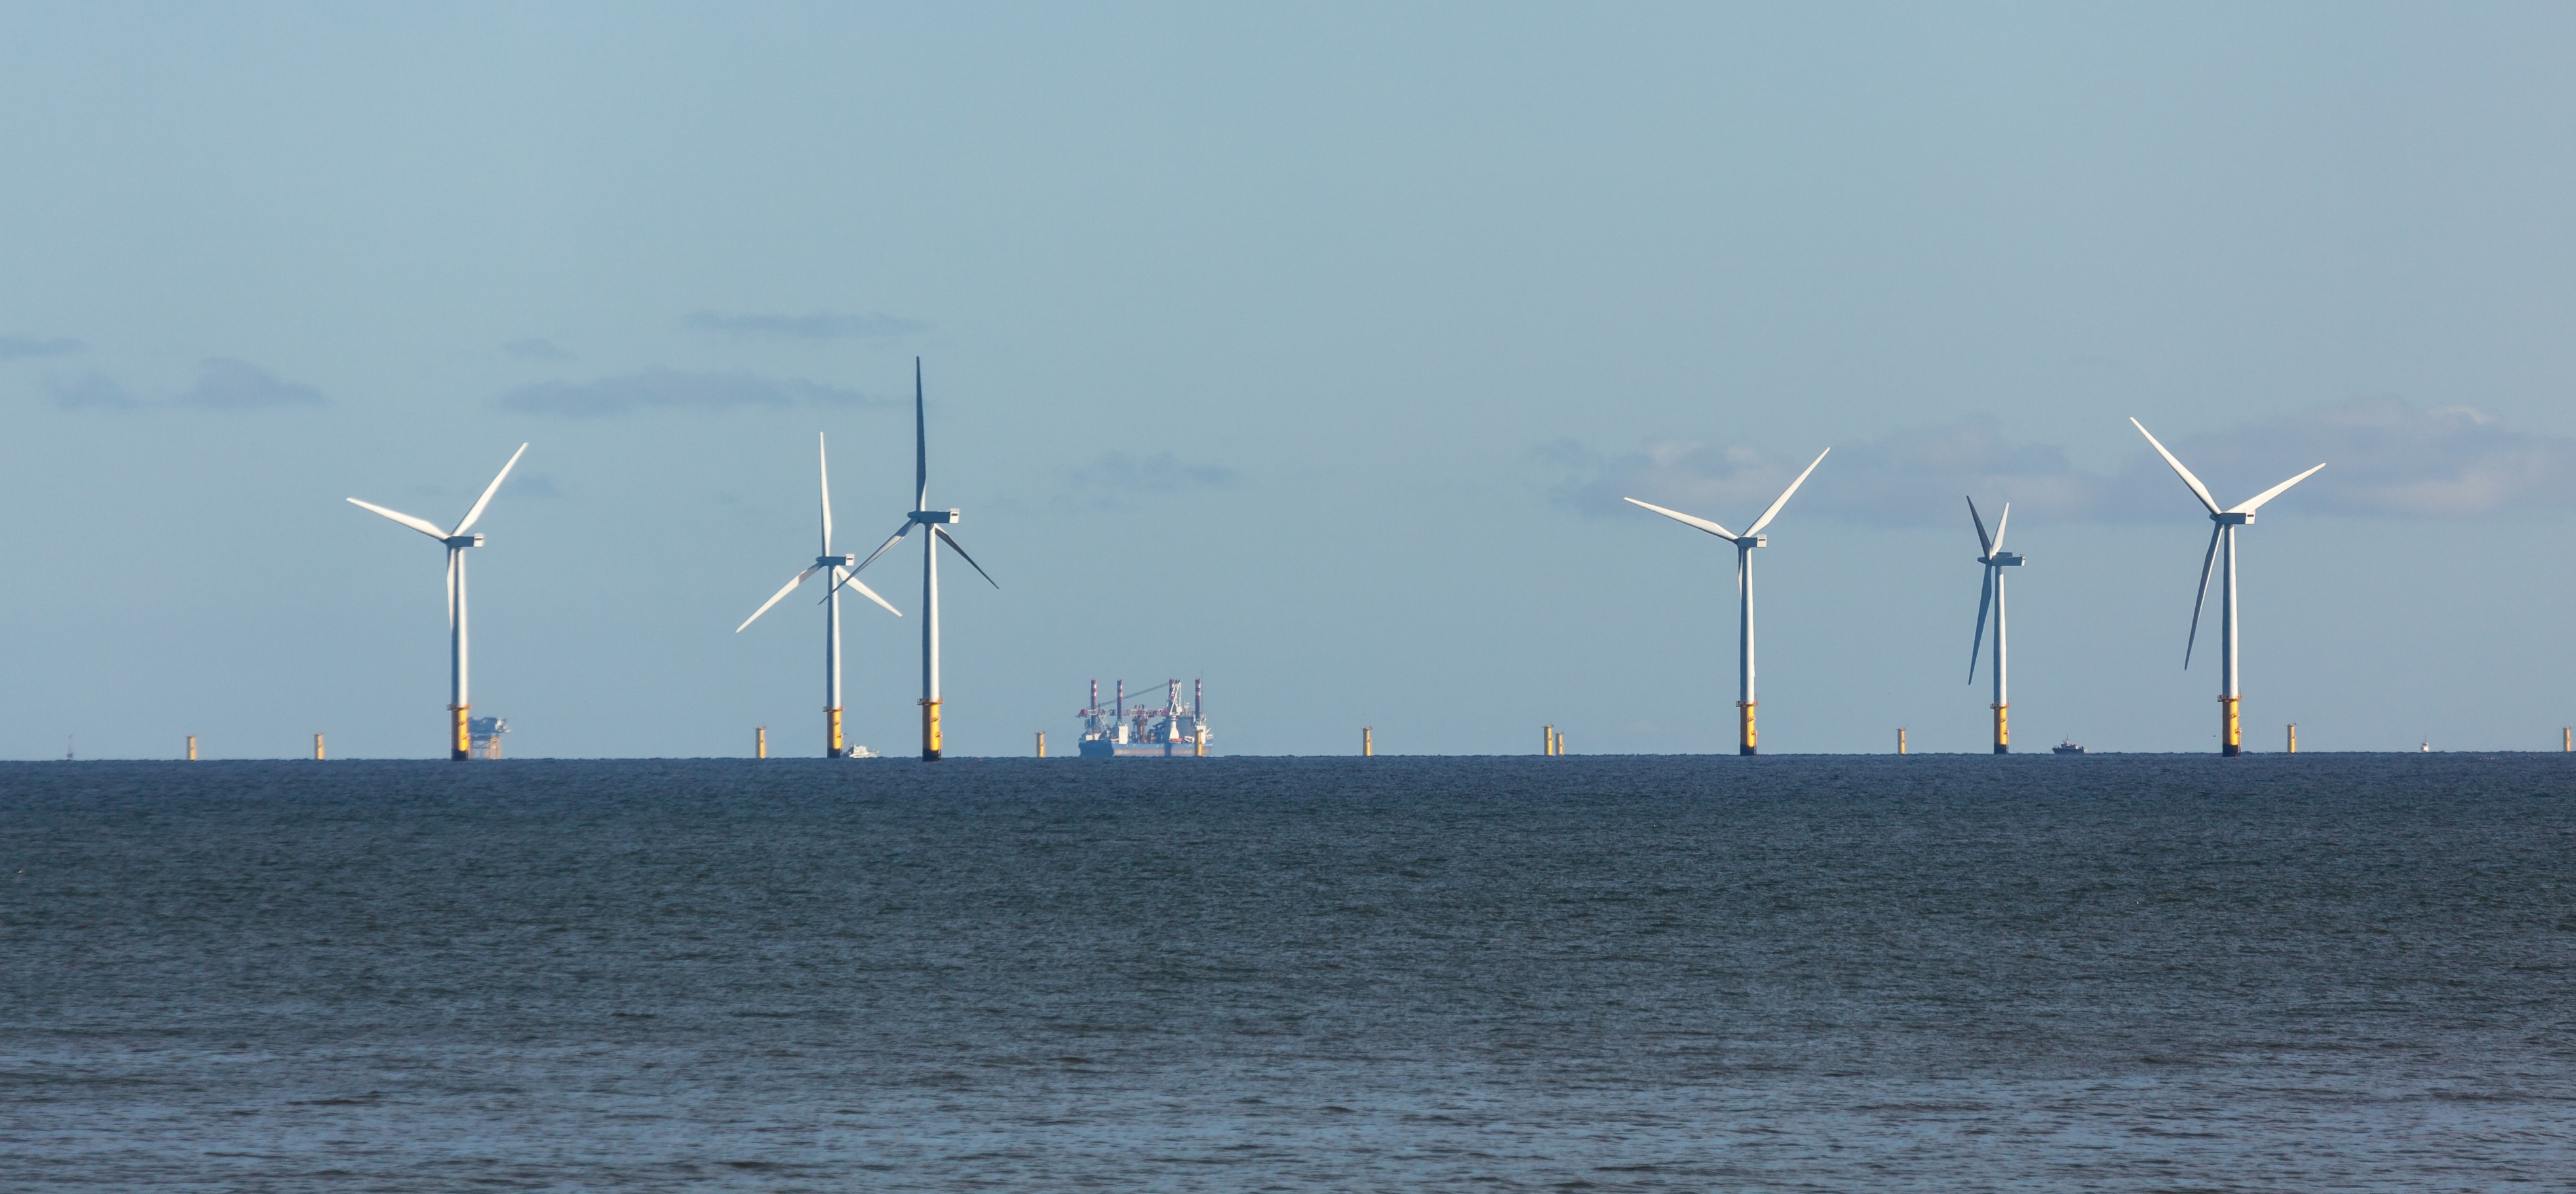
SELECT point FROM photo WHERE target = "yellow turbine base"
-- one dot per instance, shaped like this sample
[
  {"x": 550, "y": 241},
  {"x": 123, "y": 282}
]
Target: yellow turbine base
[
  {"x": 2231, "y": 736},
  {"x": 929, "y": 729},
  {"x": 2003, "y": 727},
  {"x": 832, "y": 727},
  {"x": 1747, "y": 739}
]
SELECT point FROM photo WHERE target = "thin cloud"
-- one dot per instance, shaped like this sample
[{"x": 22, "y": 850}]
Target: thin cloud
[
  {"x": 91, "y": 390},
  {"x": 535, "y": 485},
  {"x": 1908, "y": 478},
  {"x": 234, "y": 385},
  {"x": 20, "y": 347},
  {"x": 224, "y": 384},
  {"x": 537, "y": 349},
  {"x": 672, "y": 389},
  {"x": 820, "y": 325},
  {"x": 2386, "y": 459},
  {"x": 1118, "y": 480}
]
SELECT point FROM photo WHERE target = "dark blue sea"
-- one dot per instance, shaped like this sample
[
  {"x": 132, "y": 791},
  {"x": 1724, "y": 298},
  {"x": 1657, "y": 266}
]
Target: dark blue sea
[{"x": 2313, "y": 972}]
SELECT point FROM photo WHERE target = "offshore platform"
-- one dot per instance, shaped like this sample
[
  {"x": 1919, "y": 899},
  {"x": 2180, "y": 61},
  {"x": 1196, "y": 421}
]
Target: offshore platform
[{"x": 1172, "y": 731}]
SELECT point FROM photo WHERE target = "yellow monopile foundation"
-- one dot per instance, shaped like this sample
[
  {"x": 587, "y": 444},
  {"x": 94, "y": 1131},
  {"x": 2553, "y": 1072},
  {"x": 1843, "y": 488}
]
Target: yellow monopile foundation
[
  {"x": 461, "y": 740},
  {"x": 2230, "y": 736},
  {"x": 1747, "y": 741},
  {"x": 2003, "y": 729},
  {"x": 930, "y": 729}
]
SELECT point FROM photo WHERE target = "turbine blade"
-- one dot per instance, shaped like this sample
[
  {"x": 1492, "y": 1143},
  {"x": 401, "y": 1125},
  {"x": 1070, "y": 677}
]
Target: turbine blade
[
  {"x": 823, "y": 465},
  {"x": 2206, "y": 560},
  {"x": 2000, "y": 524},
  {"x": 1986, "y": 546},
  {"x": 951, "y": 540},
  {"x": 1783, "y": 499},
  {"x": 920, "y": 445},
  {"x": 843, "y": 577},
  {"x": 2198, "y": 490},
  {"x": 2254, "y": 503},
  {"x": 1985, "y": 600},
  {"x": 488, "y": 490},
  {"x": 780, "y": 595},
  {"x": 891, "y": 540},
  {"x": 422, "y": 525},
  {"x": 1678, "y": 516}
]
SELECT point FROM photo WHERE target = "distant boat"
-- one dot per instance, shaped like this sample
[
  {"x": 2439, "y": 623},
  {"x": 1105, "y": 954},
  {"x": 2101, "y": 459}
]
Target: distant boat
[
  {"x": 2067, "y": 747},
  {"x": 1117, "y": 730}
]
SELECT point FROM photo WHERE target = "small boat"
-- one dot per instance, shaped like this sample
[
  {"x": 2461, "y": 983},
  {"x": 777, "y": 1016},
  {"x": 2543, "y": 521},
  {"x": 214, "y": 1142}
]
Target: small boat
[{"x": 2067, "y": 747}]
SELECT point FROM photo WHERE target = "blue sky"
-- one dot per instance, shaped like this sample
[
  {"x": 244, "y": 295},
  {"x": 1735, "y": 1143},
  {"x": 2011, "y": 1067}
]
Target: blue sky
[{"x": 1303, "y": 348}]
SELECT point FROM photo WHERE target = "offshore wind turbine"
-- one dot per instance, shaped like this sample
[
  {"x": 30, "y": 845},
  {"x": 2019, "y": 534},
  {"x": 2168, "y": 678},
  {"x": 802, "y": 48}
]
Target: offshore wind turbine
[
  {"x": 839, "y": 567},
  {"x": 2230, "y": 741},
  {"x": 938, "y": 522},
  {"x": 1995, "y": 560},
  {"x": 459, "y": 741},
  {"x": 1746, "y": 740}
]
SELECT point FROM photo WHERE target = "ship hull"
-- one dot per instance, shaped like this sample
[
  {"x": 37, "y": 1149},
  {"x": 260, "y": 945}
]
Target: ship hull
[{"x": 1138, "y": 750}]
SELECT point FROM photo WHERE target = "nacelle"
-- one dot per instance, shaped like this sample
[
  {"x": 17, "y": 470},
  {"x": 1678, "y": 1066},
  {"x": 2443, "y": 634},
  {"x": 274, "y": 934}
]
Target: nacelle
[
  {"x": 474, "y": 540},
  {"x": 938, "y": 516}
]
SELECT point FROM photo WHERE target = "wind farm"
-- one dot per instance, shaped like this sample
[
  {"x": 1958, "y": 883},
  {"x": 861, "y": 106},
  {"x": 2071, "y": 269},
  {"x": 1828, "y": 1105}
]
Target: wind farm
[{"x": 1322, "y": 357}]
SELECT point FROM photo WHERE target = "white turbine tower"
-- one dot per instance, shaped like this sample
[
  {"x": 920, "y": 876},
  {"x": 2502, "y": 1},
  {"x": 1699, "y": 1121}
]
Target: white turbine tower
[
  {"x": 839, "y": 567},
  {"x": 2230, "y": 741},
  {"x": 1747, "y": 741},
  {"x": 1995, "y": 560},
  {"x": 938, "y": 522},
  {"x": 459, "y": 741}
]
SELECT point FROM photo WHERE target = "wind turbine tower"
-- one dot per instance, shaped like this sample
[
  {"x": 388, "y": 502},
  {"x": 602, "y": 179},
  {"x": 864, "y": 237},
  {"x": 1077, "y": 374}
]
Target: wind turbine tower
[
  {"x": 1995, "y": 560},
  {"x": 2222, "y": 532},
  {"x": 460, "y": 741},
  {"x": 938, "y": 522},
  {"x": 840, "y": 568},
  {"x": 1747, "y": 741}
]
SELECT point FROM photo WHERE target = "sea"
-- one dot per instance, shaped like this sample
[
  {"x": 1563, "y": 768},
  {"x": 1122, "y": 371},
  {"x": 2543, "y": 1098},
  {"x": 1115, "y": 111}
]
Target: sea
[{"x": 2107, "y": 972}]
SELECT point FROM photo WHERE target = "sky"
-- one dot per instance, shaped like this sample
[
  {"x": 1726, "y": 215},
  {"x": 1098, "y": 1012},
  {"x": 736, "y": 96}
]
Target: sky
[{"x": 1307, "y": 349}]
